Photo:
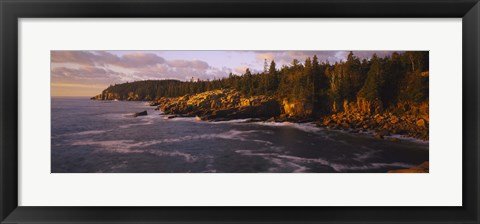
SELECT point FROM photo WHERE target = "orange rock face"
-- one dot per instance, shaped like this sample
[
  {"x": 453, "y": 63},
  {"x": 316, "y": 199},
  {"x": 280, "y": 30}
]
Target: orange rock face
[{"x": 422, "y": 168}]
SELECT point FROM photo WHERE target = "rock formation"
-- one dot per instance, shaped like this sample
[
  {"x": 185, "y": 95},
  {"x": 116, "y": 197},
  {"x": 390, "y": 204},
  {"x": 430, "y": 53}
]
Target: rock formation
[
  {"x": 220, "y": 105},
  {"x": 406, "y": 118},
  {"x": 422, "y": 168},
  {"x": 143, "y": 113}
]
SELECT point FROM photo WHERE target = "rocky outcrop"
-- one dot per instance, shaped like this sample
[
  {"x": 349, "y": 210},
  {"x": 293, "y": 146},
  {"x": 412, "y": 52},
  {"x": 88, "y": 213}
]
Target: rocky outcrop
[
  {"x": 296, "y": 110},
  {"x": 410, "y": 120},
  {"x": 220, "y": 105},
  {"x": 362, "y": 105},
  {"x": 404, "y": 118},
  {"x": 143, "y": 113},
  {"x": 422, "y": 168},
  {"x": 106, "y": 95}
]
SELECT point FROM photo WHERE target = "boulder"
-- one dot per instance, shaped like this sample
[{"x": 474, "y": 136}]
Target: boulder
[
  {"x": 421, "y": 123},
  {"x": 326, "y": 121},
  {"x": 143, "y": 113},
  {"x": 394, "y": 119}
]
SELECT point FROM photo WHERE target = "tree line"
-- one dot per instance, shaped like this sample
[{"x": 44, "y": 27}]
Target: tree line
[{"x": 390, "y": 79}]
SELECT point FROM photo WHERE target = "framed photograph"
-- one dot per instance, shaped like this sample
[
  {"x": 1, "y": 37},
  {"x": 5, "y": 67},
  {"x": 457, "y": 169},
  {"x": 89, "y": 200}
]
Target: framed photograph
[{"x": 239, "y": 112}]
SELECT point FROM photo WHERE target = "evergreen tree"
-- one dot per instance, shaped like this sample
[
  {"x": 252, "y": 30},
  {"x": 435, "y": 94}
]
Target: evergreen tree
[
  {"x": 399, "y": 77},
  {"x": 373, "y": 86}
]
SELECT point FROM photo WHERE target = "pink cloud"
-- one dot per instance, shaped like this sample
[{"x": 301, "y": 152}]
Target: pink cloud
[
  {"x": 196, "y": 64},
  {"x": 103, "y": 58}
]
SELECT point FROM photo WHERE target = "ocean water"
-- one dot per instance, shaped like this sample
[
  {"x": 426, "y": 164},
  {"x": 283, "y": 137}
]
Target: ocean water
[{"x": 102, "y": 136}]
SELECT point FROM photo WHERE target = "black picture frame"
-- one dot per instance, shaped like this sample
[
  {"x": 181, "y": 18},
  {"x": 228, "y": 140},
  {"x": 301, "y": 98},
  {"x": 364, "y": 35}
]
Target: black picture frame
[{"x": 12, "y": 10}]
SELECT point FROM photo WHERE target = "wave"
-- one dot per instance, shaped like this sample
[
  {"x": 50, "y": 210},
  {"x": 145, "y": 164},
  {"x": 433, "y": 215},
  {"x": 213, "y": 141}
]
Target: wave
[
  {"x": 299, "y": 163},
  {"x": 306, "y": 127},
  {"x": 136, "y": 124},
  {"x": 194, "y": 119},
  {"x": 144, "y": 120},
  {"x": 365, "y": 155},
  {"x": 409, "y": 139},
  {"x": 126, "y": 146},
  {"x": 229, "y": 135},
  {"x": 285, "y": 164},
  {"x": 90, "y": 132},
  {"x": 117, "y": 116},
  {"x": 190, "y": 119},
  {"x": 187, "y": 157},
  {"x": 371, "y": 134},
  {"x": 234, "y": 121},
  {"x": 120, "y": 146},
  {"x": 129, "y": 146}
]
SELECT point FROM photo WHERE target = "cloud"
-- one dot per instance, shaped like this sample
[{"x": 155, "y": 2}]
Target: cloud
[
  {"x": 263, "y": 56},
  {"x": 85, "y": 72},
  {"x": 241, "y": 69},
  {"x": 195, "y": 64},
  {"x": 77, "y": 57},
  {"x": 86, "y": 75},
  {"x": 138, "y": 60},
  {"x": 109, "y": 68},
  {"x": 103, "y": 58},
  {"x": 76, "y": 85}
]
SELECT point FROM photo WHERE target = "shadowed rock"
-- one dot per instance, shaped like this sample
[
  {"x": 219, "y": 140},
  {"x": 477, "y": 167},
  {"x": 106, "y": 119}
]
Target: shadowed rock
[{"x": 143, "y": 113}]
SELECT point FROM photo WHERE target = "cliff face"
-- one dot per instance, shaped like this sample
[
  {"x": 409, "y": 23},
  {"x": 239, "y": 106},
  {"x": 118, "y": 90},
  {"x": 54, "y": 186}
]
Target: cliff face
[
  {"x": 405, "y": 118},
  {"x": 296, "y": 109},
  {"x": 362, "y": 105},
  {"x": 105, "y": 95}
]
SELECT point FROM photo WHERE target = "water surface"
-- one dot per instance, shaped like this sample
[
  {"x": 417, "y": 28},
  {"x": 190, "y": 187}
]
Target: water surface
[{"x": 103, "y": 136}]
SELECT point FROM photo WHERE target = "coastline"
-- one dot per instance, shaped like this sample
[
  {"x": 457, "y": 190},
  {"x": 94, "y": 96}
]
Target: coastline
[
  {"x": 311, "y": 126},
  {"x": 307, "y": 125},
  {"x": 228, "y": 104}
]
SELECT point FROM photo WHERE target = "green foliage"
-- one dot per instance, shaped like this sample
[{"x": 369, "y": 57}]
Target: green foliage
[{"x": 372, "y": 89}]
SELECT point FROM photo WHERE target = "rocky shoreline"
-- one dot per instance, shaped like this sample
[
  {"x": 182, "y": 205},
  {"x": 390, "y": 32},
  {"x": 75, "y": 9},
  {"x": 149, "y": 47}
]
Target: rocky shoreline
[
  {"x": 382, "y": 125},
  {"x": 409, "y": 120},
  {"x": 228, "y": 104},
  {"x": 219, "y": 105}
]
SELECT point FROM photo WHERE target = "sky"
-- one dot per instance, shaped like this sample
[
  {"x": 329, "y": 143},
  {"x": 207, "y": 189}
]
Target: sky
[{"x": 87, "y": 73}]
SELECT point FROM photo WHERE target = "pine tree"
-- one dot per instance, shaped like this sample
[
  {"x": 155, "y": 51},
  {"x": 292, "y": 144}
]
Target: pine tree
[
  {"x": 354, "y": 76},
  {"x": 373, "y": 86},
  {"x": 273, "y": 78}
]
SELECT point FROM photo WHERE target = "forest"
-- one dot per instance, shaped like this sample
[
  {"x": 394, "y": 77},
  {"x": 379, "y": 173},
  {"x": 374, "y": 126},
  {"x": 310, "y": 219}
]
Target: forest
[{"x": 399, "y": 77}]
